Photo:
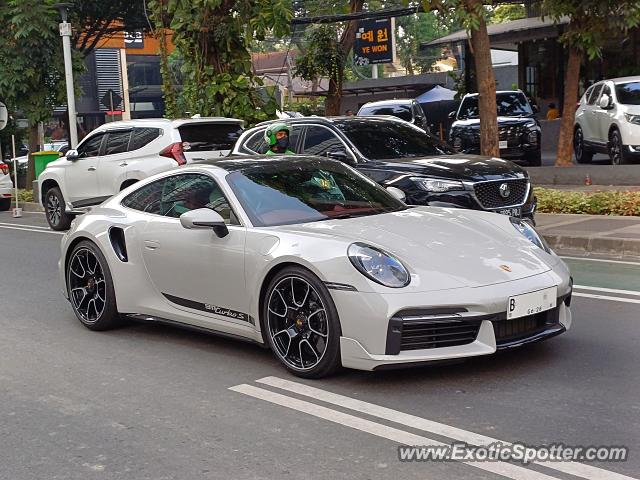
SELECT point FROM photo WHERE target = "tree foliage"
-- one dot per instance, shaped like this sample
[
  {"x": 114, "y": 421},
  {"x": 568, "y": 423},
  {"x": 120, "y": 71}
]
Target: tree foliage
[
  {"x": 507, "y": 13},
  {"x": 213, "y": 38}
]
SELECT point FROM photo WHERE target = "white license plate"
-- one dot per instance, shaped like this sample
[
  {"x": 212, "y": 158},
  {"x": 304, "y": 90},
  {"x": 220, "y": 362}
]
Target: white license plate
[
  {"x": 532, "y": 303},
  {"x": 503, "y": 144}
]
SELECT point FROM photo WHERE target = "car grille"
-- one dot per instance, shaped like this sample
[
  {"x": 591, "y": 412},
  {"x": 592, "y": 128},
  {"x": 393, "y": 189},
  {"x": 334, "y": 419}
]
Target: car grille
[
  {"x": 510, "y": 133},
  {"x": 431, "y": 331},
  {"x": 489, "y": 195}
]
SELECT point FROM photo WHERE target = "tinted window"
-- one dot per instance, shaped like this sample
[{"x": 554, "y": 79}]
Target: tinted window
[
  {"x": 308, "y": 190},
  {"x": 173, "y": 196},
  {"x": 117, "y": 142},
  {"x": 400, "y": 111},
  {"x": 257, "y": 144},
  {"x": 200, "y": 137},
  {"x": 91, "y": 146},
  {"x": 628, "y": 93},
  {"x": 385, "y": 139},
  {"x": 595, "y": 94},
  {"x": 509, "y": 104},
  {"x": 320, "y": 140},
  {"x": 143, "y": 136}
]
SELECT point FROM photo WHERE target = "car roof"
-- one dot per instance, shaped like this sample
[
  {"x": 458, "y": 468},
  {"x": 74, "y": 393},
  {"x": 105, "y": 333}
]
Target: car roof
[
  {"x": 624, "y": 79},
  {"x": 167, "y": 122},
  {"x": 331, "y": 120},
  {"x": 395, "y": 101},
  {"x": 497, "y": 92},
  {"x": 249, "y": 162}
]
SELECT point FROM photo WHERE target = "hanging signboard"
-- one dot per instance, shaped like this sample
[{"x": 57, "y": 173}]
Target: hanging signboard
[{"x": 375, "y": 41}]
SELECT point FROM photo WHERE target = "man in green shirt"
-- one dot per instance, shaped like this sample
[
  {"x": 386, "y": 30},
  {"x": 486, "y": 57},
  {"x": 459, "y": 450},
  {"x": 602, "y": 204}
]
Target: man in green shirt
[{"x": 277, "y": 137}]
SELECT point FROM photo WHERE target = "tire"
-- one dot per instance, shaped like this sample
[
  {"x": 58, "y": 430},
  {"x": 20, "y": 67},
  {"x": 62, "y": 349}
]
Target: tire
[
  {"x": 582, "y": 154},
  {"x": 311, "y": 328},
  {"x": 617, "y": 152},
  {"x": 54, "y": 207},
  {"x": 533, "y": 159},
  {"x": 5, "y": 204},
  {"x": 100, "y": 311}
]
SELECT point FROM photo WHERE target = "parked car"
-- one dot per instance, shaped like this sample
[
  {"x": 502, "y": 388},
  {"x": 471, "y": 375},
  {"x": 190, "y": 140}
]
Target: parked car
[
  {"x": 519, "y": 130},
  {"x": 314, "y": 260},
  {"x": 6, "y": 187},
  {"x": 608, "y": 121},
  {"x": 118, "y": 154},
  {"x": 404, "y": 108},
  {"x": 396, "y": 153}
]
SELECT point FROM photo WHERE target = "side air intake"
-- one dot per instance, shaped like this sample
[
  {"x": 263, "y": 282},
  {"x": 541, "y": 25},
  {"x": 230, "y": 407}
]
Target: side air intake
[{"x": 116, "y": 236}]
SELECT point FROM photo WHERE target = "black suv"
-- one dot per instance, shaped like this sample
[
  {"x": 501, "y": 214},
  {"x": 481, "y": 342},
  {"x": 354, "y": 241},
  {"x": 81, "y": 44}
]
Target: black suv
[
  {"x": 520, "y": 133},
  {"x": 397, "y": 154}
]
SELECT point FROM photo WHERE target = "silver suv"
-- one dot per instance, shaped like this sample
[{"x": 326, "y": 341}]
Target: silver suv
[{"x": 608, "y": 121}]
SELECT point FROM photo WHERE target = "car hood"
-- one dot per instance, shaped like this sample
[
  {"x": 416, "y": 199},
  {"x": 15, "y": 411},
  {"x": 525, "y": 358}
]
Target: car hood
[
  {"x": 474, "y": 123},
  {"x": 458, "y": 167},
  {"x": 443, "y": 248}
]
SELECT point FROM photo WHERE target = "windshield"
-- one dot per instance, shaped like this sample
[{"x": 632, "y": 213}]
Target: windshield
[
  {"x": 628, "y": 93},
  {"x": 401, "y": 111},
  {"x": 510, "y": 104},
  {"x": 307, "y": 190},
  {"x": 387, "y": 139}
]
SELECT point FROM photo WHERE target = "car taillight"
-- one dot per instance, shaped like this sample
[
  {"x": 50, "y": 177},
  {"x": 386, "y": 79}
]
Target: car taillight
[
  {"x": 176, "y": 152},
  {"x": 4, "y": 168}
]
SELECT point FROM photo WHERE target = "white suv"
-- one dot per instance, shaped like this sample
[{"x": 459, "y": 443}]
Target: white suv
[
  {"x": 118, "y": 154},
  {"x": 6, "y": 187},
  {"x": 608, "y": 121}
]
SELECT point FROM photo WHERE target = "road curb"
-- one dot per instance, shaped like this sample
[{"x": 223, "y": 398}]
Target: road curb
[
  {"x": 29, "y": 207},
  {"x": 612, "y": 247}
]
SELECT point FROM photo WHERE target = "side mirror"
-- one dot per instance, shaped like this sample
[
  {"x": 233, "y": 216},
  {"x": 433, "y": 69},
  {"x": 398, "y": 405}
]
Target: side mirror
[
  {"x": 535, "y": 108},
  {"x": 204, "y": 218},
  {"x": 452, "y": 115},
  {"x": 341, "y": 155},
  {"x": 397, "y": 193},
  {"x": 605, "y": 102},
  {"x": 72, "y": 155}
]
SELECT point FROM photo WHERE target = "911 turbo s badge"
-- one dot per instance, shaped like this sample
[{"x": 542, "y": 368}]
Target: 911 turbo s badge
[{"x": 209, "y": 308}]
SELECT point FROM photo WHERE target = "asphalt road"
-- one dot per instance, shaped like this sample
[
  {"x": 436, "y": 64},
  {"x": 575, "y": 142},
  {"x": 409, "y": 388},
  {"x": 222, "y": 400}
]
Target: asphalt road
[{"x": 153, "y": 402}]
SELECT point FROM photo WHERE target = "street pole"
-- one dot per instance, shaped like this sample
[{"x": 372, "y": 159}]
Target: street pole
[
  {"x": 374, "y": 71},
  {"x": 65, "y": 33}
]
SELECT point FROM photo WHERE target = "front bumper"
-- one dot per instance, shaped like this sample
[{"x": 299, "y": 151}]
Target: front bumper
[{"x": 368, "y": 321}]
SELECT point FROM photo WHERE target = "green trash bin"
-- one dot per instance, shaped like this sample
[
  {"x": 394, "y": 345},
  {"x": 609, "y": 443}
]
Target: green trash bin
[{"x": 41, "y": 159}]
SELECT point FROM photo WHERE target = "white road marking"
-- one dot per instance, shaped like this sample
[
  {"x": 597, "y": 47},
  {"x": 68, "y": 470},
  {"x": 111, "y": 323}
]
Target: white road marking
[
  {"x": 608, "y": 290},
  {"x": 622, "y": 262},
  {"x": 607, "y": 297},
  {"x": 31, "y": 230},
  {"x": 24, "y": 225},
  {"x": 508, "y": 470},
  {"x": 458, "y": 434}
]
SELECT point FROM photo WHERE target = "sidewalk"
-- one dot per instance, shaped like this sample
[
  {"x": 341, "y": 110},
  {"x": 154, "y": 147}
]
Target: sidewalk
[{"x": 585, "y": 235}]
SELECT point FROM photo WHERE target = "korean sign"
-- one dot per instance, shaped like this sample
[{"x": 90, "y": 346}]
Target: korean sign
[{"x": 375, "y": 41}]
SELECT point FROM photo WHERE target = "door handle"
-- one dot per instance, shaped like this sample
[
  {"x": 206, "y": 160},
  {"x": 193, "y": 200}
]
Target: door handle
[
  {"x": 151, "y": 244},
  {"x": 92, "y": 169},
  {"x": 124, "y": 164}
]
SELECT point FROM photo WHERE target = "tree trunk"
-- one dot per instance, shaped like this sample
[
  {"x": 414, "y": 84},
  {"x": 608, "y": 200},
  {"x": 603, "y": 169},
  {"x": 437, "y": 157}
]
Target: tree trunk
[
  {"x": 33, "y": 147},
  {"x": 486, "y": 85},
  {"x": 571, "y": 79},
  {"x": 333, "y": 100}
]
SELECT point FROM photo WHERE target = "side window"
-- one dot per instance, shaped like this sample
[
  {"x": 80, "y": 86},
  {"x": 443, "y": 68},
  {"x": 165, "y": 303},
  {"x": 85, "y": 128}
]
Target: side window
[
  {"x": 146, "y": 199},
  {"x": 320, "y": 140},
  {"x": 595, "y": 94},
  {"x": 91, "y": 146},
  {"x": 143, "y": 136},
  {"x": 178, "y": 194},
  {"x": 117, "y": 142}
]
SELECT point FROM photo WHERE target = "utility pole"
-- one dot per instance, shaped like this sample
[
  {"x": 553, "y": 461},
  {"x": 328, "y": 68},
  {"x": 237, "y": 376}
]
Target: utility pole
[{"x": 65, "y": 33}]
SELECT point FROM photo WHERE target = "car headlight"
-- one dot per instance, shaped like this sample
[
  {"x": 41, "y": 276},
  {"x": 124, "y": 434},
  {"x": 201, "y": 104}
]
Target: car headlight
[
  {"x": 437, "y": 185},
  {"x": 635, "y": 119},
  {"x": 533, "y": 137},
  {"x": 526, "y": 229},
  {"x": 378, "y": 265}
]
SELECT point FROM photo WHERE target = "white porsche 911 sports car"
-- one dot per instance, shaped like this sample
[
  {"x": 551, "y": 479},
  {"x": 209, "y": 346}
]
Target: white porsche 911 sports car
[{"x": 316, "y": 261}]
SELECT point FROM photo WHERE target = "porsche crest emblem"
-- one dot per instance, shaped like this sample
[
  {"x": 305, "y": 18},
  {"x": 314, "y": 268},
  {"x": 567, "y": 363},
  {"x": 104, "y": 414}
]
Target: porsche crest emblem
[{"x": 505, "y": 268}]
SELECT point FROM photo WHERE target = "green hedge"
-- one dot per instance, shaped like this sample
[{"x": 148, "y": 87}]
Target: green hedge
[{"x": 596, "y": 203}]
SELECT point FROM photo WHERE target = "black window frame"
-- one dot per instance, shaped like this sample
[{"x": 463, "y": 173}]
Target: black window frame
[
  {"x": 106, "y": 142},
  {"x": 338, "y": 135},
  {"x": 160, "y": 132},
  {"x": 295, "y": 146},
  {"x": 102, "y": 134},
  {"x": 597, "y": 90}
]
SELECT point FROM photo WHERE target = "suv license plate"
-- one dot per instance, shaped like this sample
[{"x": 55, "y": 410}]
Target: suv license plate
[
  {"x": 503, "y": 144},
  {"x": 532, "y": 303},
  {"x": 512, "y": 212}
]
